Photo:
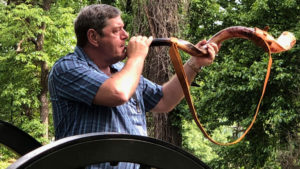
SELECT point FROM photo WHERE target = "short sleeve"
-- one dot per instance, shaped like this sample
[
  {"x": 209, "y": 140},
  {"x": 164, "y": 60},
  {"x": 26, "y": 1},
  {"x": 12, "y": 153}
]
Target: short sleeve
[
  {"x": 75, "y": 81},
  {"x": 152, "y": 93}
]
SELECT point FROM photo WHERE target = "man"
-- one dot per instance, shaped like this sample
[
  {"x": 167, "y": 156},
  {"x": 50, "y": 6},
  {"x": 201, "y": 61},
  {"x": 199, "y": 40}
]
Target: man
[{"x": 93, "y": 91}]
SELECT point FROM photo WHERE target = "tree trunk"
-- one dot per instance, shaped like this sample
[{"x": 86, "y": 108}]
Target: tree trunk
[
  {"x": 44, "y": 107},
  {"x": 162, "y": 21}
]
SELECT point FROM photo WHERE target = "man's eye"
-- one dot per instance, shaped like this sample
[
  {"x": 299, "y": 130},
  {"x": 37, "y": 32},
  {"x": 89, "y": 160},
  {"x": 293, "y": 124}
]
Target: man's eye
[{"x": 116, "y": 30}]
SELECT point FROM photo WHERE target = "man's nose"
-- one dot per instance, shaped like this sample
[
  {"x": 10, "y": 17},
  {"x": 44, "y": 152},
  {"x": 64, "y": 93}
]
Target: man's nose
[{"x": 125, "y": 34}]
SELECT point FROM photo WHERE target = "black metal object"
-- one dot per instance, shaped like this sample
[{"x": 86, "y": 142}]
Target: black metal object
[
  {"x": 16, "y": 139},
  {"x": 82, "y": 150}
]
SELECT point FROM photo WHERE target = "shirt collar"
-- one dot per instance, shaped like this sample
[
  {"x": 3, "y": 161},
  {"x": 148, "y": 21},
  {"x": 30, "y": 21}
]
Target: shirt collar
[{"x": 81, "y": 54}]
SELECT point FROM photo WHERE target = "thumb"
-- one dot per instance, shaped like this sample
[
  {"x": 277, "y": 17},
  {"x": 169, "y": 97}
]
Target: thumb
[{"x": 201, "y": 43}]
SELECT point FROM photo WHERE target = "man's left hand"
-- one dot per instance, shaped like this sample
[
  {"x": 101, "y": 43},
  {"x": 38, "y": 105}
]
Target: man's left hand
[{"x": 212, "y": 49}]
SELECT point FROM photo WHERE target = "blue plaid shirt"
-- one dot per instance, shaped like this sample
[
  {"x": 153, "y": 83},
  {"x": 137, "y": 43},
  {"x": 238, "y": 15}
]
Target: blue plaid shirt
[{"x": 73, "y": 83}]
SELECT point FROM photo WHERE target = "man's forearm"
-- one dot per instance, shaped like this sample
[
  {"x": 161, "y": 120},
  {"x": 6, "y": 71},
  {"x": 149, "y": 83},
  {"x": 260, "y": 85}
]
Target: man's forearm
[
  {"x": 172, "y": 90},
  {"x": 120, "y": 86}
]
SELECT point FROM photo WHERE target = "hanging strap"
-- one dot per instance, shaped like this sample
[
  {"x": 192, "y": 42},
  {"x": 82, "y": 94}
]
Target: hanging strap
[{"x": 178, "y": 66}]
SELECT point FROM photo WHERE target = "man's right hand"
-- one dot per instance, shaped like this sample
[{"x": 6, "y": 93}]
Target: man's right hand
[
  {"x": 120, "y": 87},
  {"x": 138, "y": 46}
]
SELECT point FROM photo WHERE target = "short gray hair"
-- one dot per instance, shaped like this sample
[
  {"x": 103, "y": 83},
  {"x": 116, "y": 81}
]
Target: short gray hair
[{"x": 93, "y": 17}]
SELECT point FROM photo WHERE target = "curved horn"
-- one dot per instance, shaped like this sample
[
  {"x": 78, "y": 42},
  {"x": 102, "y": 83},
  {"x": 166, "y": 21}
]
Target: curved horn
[{"x": 285, "y": 41}]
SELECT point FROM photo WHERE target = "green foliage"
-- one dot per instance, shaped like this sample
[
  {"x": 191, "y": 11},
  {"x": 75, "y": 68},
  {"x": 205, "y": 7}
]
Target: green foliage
[
  {"x": 127, "y": 15},
  {"x": 195, "y": 142},
  {"x": 6, "y": 154},
  {"x": 4, "y": 164},
  {"x": 201, "y": 14},
  {"x": 34, "y": 128},
  {"x": 20, "y": 24},
  {"x": 20, "y": 61},
  {"x": 7, "y": 157}
]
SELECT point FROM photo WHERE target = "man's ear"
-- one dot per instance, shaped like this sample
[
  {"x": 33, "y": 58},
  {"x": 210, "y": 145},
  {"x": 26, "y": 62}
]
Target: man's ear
[{"x": 92, "y": 37}]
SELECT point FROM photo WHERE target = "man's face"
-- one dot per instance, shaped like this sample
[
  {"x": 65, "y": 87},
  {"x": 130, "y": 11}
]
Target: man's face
[{"x": 112, "y": 43}]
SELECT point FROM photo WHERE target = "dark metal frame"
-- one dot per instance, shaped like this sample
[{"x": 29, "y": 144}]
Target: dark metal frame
[
  {"x": 82, "y": 150},
  {"x": 16, "y": 139}
]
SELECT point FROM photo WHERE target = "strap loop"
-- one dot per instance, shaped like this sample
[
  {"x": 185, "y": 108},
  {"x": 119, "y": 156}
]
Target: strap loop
[{"x": 178, "y": 66}]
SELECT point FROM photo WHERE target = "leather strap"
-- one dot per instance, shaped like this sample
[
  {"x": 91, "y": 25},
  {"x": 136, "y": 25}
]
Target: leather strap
[{"x": 178, "y": 66}]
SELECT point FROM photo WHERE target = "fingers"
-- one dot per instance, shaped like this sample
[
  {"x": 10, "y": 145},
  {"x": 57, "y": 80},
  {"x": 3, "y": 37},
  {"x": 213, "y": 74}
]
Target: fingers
[
  {"x": 142, "y": 39},
  {"x": 204, "y": 44},
  {"x": 201, "y": 43},
  {"x": 149, "y": 40},
  {"x": 213, "y": 49},
  {"x": 138, "y": 46}
]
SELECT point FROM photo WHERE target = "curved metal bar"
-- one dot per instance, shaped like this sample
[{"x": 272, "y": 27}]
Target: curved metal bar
[
  {"x": 82, "y": 150},
  {"x": 16, "y": 139}
]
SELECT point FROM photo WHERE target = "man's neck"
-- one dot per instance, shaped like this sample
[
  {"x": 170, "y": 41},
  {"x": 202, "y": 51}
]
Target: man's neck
[{"x": 98, "y": 60}]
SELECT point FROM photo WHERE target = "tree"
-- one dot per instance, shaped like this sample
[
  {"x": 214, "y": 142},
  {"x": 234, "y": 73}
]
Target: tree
[
  {"x": 34, "y": 35},
  {"x": 157, "y": 19}
]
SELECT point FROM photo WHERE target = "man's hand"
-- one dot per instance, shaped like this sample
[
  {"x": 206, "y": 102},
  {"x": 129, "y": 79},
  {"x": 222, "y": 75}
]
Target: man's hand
[
  {"x": 138, "y": 46},
  {"x": 212, "y": 49}
]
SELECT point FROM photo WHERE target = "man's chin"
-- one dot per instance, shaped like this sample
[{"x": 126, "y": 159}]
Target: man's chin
[
  {"x": 124, "y": 56},
  {"x": 120, "y": 58}
]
